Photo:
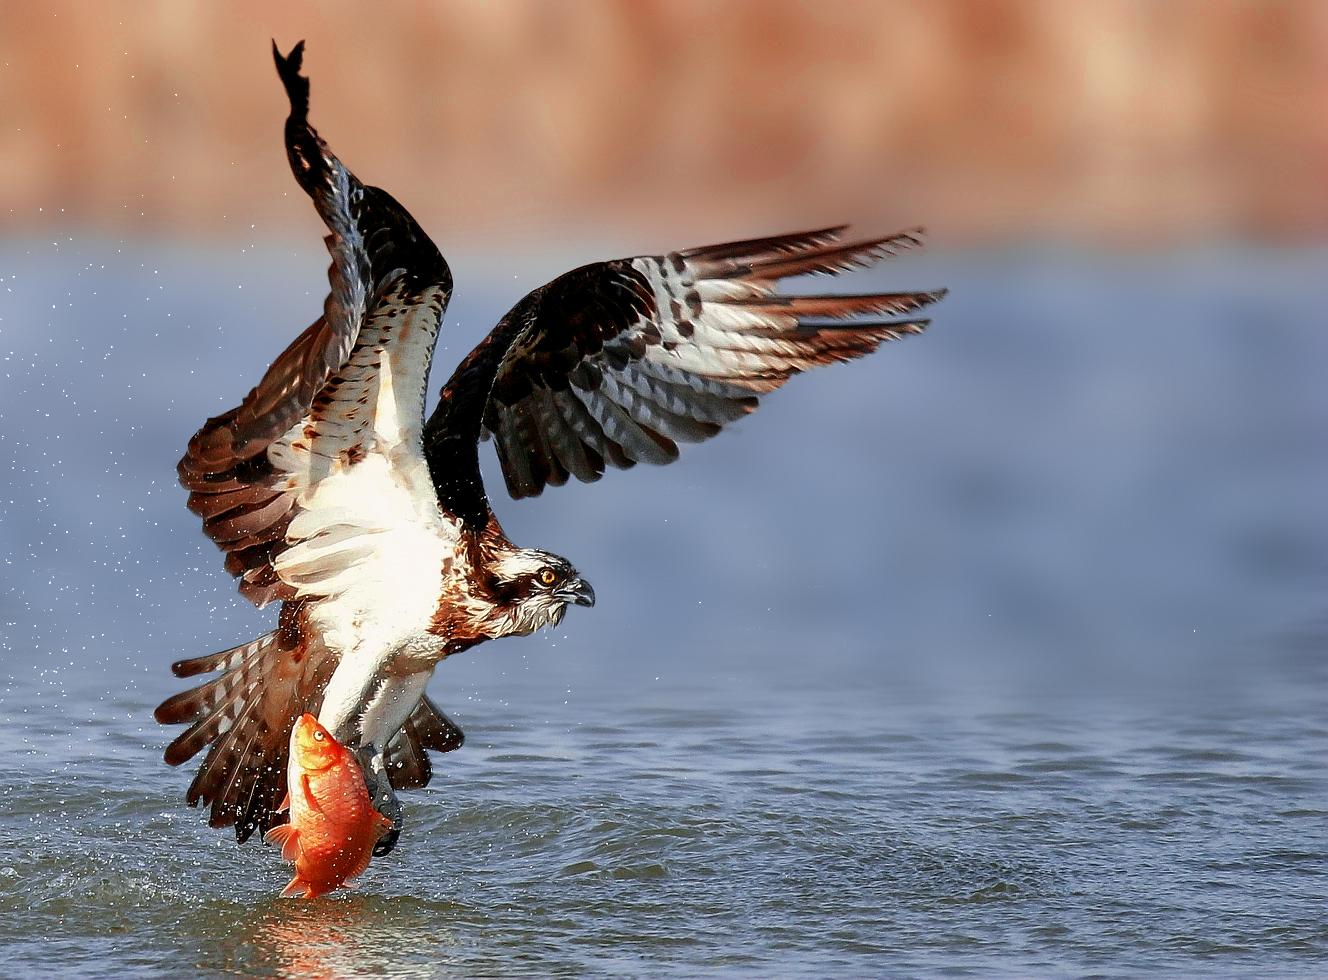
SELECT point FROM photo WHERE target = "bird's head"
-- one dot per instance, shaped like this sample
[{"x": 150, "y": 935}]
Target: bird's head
[{"x": 534, "y": 588}]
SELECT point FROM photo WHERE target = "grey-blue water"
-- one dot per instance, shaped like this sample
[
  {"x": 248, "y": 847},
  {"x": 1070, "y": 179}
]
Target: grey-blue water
[{"x": 1000, "y": 652}]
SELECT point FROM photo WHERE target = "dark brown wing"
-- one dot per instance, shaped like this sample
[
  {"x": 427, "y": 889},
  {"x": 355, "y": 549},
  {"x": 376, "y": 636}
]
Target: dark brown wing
[
  {"x": 618, "y": 362},
  {"x": 315, "y": 413},
  {"x": 381, "y": 263}
]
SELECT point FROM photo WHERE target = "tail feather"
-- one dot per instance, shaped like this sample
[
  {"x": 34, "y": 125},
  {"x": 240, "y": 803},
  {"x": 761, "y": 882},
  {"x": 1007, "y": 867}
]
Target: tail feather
[
  {"x": 436, "y": 731},
  {"x": 259, "y": 775},
  {"x": 239, "y": 763},
  {"x": 216, "y": 707},
  {"x": 245, "y": 715},
  {"x": 225, "y": 660}
]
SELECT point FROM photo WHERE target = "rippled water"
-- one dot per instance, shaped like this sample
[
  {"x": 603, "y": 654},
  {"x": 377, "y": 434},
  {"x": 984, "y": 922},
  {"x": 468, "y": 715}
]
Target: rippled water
[
  {"x": 1000, "y": 653},
  {"x": 828, "y": 830}
]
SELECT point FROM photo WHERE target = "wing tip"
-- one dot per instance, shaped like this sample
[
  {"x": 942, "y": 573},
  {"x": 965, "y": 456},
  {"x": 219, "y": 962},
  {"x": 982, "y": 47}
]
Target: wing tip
[
  {"x": 297, "y": 86},
  {"x": 175, "y": 753},
  {"x": 748, "y": 248}
]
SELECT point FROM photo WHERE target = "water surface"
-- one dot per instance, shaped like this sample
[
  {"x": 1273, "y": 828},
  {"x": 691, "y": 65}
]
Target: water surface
[{"x": 1000, "y": 652}]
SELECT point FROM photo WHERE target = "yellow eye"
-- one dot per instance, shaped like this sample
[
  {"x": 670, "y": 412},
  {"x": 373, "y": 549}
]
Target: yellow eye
[{"x": 548, "y": 576}]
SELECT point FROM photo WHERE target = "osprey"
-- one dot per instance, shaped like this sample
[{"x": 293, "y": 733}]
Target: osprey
[{"x": 330, "y": 493}]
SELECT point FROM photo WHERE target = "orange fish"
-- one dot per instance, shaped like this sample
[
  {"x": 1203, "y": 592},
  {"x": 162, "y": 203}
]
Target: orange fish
[{"x": 333, "y": 826}]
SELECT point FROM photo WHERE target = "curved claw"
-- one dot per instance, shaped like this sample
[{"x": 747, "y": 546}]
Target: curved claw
[{"x": 382, "y": 795}]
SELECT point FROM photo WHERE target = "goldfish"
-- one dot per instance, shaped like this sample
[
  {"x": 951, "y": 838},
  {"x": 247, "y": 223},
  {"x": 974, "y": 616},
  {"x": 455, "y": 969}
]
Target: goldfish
[{"x": 333, "y": 826}]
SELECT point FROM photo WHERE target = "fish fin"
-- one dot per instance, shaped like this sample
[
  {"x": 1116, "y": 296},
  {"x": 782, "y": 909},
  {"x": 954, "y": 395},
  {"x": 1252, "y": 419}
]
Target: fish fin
[
  {"x": 293, "y": 889},
  {"x": 310, "y": 800},
  {"x": 381, "y": 825},
  {"x": 289, "y": 839},
  {"x": 285, "y": 803}
]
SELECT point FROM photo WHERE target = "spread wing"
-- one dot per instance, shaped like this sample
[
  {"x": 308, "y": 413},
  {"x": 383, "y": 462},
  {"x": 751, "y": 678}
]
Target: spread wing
[
  {"x": 618, "y": 362},
  {"x": 319, "y": 406},
  {"x": 319, "y": 469}
]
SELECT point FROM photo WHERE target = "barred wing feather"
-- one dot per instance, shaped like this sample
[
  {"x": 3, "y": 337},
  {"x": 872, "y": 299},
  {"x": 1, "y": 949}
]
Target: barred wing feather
[
  {"x": 617, "y": 362},
  {"x": 316, "y": 472},
  {"x": 320, "y": 404}
]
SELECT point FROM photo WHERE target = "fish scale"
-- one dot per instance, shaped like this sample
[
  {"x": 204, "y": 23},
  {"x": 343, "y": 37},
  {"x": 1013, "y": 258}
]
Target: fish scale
[{"x": 333, "y": 826}]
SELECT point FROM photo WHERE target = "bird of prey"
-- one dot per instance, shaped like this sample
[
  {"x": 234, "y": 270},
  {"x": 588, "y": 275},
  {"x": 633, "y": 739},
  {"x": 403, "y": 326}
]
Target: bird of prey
[{"x": 330, "y": 493}]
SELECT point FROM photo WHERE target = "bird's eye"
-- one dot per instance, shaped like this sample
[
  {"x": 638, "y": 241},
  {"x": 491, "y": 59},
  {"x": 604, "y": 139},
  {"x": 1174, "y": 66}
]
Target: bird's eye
[{"x": 548, "y": 576}]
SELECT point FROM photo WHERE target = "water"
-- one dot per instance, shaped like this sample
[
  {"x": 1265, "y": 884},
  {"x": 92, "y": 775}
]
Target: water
[{"x": 1002, "y": 652}]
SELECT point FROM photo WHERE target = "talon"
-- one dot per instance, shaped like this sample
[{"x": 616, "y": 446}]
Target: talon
[{"x": 382, "y": 795}]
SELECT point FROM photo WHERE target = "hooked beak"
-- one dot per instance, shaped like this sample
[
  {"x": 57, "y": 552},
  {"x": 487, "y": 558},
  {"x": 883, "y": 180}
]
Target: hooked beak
[{"x": 578, "y": 591}]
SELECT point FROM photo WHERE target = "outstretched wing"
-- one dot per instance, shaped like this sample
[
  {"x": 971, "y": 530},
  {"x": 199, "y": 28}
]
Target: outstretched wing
[
  {"x": 389, "y": 286},
  {"x": 617, "y": 362},
  {"x": 317, "y": 471}
]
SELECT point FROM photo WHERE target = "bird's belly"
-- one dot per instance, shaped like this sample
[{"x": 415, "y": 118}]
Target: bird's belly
[{"x": 381, "y": 676}]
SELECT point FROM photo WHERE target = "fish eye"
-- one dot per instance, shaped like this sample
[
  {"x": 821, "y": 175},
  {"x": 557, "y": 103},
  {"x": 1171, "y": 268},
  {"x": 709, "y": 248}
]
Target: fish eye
[
  {"x": 548, "y": 576},
  {"x": 319, "y": 736}
]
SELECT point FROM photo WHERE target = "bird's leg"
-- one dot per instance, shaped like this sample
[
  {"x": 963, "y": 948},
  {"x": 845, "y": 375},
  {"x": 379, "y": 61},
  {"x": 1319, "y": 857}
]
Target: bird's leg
[{"x": 383, "y": 797}]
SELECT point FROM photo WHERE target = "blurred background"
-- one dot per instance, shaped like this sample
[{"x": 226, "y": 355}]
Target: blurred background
[
  {"x": 1113, "y": 121},
  {"x": 1108, "y": 449},
  {"x": 1000, "y": 651}
]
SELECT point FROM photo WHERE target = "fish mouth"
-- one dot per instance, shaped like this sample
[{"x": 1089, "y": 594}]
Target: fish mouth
[{"x": 577, "y": 591}]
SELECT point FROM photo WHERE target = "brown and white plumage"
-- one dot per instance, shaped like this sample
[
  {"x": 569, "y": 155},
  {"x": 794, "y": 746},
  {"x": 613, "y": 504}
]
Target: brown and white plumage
[
  {"x": 328, "y": 492},
  {"x": 617, "y": 362}
]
